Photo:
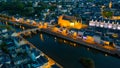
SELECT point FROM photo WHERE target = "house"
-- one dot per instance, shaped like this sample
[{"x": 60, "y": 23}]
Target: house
[
  {"x": 36, "y": 52},
  {"x": 16, "y": 41},
  {"x": 10, "y": 45},
  {"x": 4, "y": 59},
  {"x": 21, "y": 60},
  {"x": 13, "y": 53}
]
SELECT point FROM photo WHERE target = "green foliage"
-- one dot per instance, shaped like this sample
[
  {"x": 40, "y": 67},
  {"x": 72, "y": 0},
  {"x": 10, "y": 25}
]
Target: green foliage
[
  {"x": 107, "y": 14},
  {"x": 52, "y": 8},
  {"x": 16, "y": 7},
  {"x": 24, "y": 9},
  {"x": 3, "y": 45},
  {"x": 29, "y": 4},
  {"x": 27, "y": 11}
]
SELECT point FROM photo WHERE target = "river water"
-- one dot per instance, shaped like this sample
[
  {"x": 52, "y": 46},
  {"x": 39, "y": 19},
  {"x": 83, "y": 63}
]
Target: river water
[{"x": 68, "y": 54}]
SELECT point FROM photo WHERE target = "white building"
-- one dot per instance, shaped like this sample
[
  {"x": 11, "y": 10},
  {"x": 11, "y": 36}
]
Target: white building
[{"x": 104, "y": 24}]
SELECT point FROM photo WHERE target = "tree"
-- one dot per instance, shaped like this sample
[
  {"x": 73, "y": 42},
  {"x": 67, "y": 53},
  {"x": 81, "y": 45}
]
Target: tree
[
  {"x": 107, "y": 14},
  {"x": 3, "y": 47}
]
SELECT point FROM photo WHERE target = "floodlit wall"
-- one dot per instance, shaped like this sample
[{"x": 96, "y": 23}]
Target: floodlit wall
[{"x": 71, "y": 22}]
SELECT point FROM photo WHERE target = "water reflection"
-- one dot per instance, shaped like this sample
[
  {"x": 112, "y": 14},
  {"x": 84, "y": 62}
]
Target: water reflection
[
  {"x": 96, "y": 52},
  {"x": 62, "y": 41},
  {"x": 88, "y": 49},
  {"x": 41, "y": 37},
  {"x": 66, "y": 42},
  {"x": 106, "y": 54},
  {"x": 93, "y": 51}
]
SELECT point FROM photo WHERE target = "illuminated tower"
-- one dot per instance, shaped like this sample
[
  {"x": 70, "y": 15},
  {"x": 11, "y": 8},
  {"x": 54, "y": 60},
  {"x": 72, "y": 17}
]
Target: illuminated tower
[{"x": 110, "y": 4}]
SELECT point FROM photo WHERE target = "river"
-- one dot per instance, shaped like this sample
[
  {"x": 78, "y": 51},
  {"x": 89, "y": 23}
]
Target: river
[{"x": 68, "y": 55}]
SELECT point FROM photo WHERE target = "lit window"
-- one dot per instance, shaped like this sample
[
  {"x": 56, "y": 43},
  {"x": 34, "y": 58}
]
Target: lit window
[
  {"x": 118, "y": 27},
  {"x": 101, "y": 24},
  {"x": 109, "y": 25}
]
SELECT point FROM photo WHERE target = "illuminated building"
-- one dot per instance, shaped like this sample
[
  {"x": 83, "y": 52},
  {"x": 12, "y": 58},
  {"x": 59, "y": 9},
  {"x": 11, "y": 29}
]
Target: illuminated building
[
  {"x": 75, "y": 35},
  {"x": 97, "y": 24},
  {"x": 89, "y": 39},
  {"x": 115, "y": 17},
  {"x": 13, "y": 18},
  {"x": 55, "y": 29},
  {"x": 64, "y": 32},
  {"x": 20, "y": 20},
  {"x": 71, "y": 22},
  {"x": 45, "y": 25},
  {"x": 104, "y": 24},
  {"x": 114, "y": 26},
  {"x": 118, "y": 27},
  {"x": 92, "y": 23},
  {"x": 28, "y": 21},
  {"x": 109, "y": 25},
  {"x": 33, "y": 22}
]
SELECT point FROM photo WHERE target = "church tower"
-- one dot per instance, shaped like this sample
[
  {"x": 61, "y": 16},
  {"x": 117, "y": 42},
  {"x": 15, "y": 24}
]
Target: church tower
[{"x": 110, "y": 4}]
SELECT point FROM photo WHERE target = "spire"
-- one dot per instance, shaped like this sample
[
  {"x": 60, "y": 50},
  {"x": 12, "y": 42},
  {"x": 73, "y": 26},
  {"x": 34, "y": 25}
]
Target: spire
[{"x": 110, "y": 4}]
